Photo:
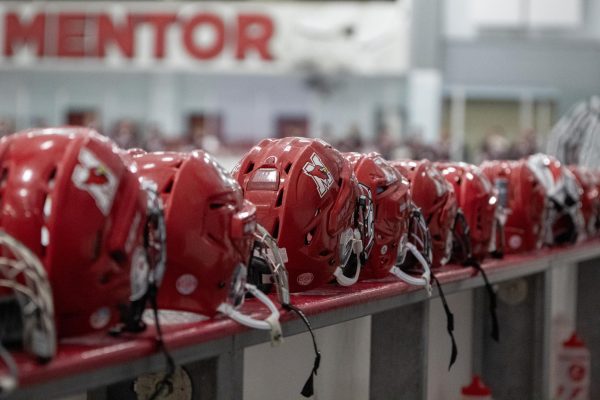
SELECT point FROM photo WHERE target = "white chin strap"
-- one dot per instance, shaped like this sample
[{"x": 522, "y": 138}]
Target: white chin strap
[
  {"x": 271, "y": 323},
  {"x": 8, "y": 383},
  {"x": 424, "y": 280},
  {"x": 357, "y": 248}
]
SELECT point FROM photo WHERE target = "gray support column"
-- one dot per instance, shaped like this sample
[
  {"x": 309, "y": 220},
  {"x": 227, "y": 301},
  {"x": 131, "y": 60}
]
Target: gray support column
[
  {"x": 230, "y": 375},
  {"x": 517, "y": 358},
  {"x": 588, "y": 318},
  {"x": 481, "y": 326},
  {"x": 399, "y": 353},
  {"x": 426, "y": 31}
]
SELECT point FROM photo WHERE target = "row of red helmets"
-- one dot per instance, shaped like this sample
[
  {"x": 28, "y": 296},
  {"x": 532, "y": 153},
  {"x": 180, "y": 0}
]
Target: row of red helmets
[
  {"x": 88, "y": 232},
  {"x": 352, "y": 215},
  {"x": 81, "y": 219}
]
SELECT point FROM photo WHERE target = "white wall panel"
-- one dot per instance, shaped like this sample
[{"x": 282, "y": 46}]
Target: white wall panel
[
  {"x": 441, "y": 383},
  {"x": 555, "y": 13},
  {"x": 344, "y": 371}
]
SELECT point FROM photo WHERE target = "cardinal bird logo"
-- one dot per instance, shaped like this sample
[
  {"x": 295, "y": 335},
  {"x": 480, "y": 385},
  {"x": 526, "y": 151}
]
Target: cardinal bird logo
[
  {"x": 319, "y": 173},
  {"x": 97, "y": 176},
  {"x": 93, "y": 176}
]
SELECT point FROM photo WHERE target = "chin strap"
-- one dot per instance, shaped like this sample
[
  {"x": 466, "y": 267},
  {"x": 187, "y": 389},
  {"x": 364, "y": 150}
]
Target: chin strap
[
  {"x": 156, "y": 255},
  {"x": 492, "y": 298},
  {"x": 271, "y": 323},
  {"x": 449, "y": 322},
  {"x": 496, "y": 246},
  {"x": 424, "y": 280},
  {"x": 472, "y": 262},
  {"x": 308, "y": 388},
  {"x": 357, "y": 249},
  {"x": 8, "y": 383},
  {"x": 166, "y": 383}
]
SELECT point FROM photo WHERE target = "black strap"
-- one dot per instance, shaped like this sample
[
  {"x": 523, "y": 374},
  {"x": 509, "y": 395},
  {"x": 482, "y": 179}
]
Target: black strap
[
  {"x": 492, "y": 298},
  {"x": 166, "y": 382},
  {"x": 449, "y": 322},
  {"x": 308, "y": 389}
]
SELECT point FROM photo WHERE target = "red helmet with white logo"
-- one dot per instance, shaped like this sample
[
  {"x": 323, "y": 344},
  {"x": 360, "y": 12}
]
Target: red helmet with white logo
[
  {"x": 307, "y": 198},
  {"x": 478, "y": 201},
  {"x": 563, "y": 196},
  {"x": 524, "y": 198},
  {"x": 210, "y": 234},
  {"x": 436, "y": 200},
  {"x": 590, "y": 200},
  {"x": 392, "y": 213},
  {"x": 74, "y": 223}
]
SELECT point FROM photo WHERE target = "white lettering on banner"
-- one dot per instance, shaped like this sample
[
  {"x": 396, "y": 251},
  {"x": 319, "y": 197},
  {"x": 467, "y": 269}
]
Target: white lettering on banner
[{"x": 224, "y": 37}]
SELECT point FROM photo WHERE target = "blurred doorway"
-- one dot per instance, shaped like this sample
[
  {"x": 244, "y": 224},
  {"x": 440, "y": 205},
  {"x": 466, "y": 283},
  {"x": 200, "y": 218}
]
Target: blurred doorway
[
  {"x": 291, "y": 125},
  {"x": 82, "y": 117},
  {"x": 482, "y": 127},
  {"x": 205, "y": 130}
]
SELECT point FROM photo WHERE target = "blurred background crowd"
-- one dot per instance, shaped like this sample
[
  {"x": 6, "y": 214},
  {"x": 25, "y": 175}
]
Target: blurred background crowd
[{"x": 496, "y": 143}]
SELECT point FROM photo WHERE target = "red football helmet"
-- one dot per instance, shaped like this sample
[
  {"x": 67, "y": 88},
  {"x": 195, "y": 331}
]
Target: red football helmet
[
  {"x": 307, "y": 197},
  {"x": 436, "y": 200},
  {"x": 590, "y": 200},
  {"x": 524, "y": 199},
  {"x": 563, "y": 195},
  {"x": 75, "y": 220},
  {"x": 478, "y": 200},
  {"x": 392, "y": 213},
  {"x": 210, "y": 234}
]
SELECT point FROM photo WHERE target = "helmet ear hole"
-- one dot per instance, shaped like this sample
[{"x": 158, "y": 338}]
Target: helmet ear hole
[
  {"x": 279, "y": 200},
  {"x": 169, "y": 186},
  {"x": 51, "y": 178},
  {"x": 287, "y": 168},
  {"x": 249, "y": 168},
  {"x": 97, "y": 246},
  {"x": 309, "y": 236},
  {"x": 4, "y": 176},
  {"x": 276, "y": 229},
  {"x": 119, "y": 256}
]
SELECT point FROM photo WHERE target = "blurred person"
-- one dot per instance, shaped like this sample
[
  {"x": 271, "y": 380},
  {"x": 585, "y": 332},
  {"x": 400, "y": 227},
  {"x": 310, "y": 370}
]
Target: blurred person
[
  {"x": 203, "y": 136},
  {"x": 154, "y": 139},
  {"x": 7, "y": 126},
  {"x": 92, "y": 120},
  {"x": 526, "y": 144},
  {"x": 419, "y": 149},
  {"x": 39, "y": 122},
  {"x": 495, "y": 145},
  {"x": 352, "y": 141},
  {"x": 327, "y": 133},
  {"x": 385, "y": 142},
  {"x": 125, "y": 134}
]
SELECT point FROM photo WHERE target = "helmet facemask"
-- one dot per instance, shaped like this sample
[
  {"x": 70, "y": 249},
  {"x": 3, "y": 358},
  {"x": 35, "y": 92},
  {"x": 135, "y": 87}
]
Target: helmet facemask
[
  {"x": 268, "y": 261},
  {"x": 23, "y": 273},
  {"x": 356, "y": 243},
  {"x": 415, "y": 252}
]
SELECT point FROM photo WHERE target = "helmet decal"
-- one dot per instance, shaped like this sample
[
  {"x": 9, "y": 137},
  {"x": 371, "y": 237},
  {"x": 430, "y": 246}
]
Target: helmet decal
[
  {"x": 94, "y": 177},
  {"x": 319, "y": 173}
]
